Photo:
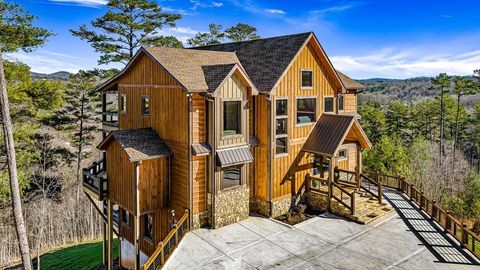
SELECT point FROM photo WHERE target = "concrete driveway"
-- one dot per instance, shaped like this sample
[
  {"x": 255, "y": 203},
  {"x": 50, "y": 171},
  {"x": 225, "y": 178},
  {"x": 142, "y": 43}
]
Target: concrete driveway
[{"x": 397, "y": 242}]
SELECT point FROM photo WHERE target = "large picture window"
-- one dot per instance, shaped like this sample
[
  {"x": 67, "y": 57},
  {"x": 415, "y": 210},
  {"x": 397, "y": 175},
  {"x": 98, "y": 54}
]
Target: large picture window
[
  {"x": 232, "y": 120},
  {"x": 328, "y": 102},
  {"x": 281, "y": 126},
  {"x": 232, "y": 177},
  {"x": 307, "y": 79},
  {"x": 306, "y": 110}
]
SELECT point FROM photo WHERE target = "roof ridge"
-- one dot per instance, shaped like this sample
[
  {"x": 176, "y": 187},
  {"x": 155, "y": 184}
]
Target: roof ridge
[{"x": 252, "y": 40}]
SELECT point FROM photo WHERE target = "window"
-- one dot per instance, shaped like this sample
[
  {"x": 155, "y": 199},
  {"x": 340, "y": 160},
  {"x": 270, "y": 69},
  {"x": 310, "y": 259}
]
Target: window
[
  {"x": 123, "y": 103},
  {"x": 148, "y": 226},
  {"x": 306, "y": 110},
  {"x": 125, "y": 217},
  {"x": 281, "y": 123},
  {"x": 145, "y": 105},
  {"x": 307, "y": 79},
  {"x": 342, "y": 154},
  {"x": 341, "y": 102},
  {"x": 231, "y": 177},
  {"x": 232, "y": 118},
  {"x": 328, "y": 104}
]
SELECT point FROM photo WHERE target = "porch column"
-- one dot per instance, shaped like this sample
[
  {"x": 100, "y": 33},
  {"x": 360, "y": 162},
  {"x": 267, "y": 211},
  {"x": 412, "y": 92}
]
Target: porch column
[
  {"x": 110, "y": 235},
  {"x": 104, "y": 238},
  {"x": 330, "y": 182},
  {"x": 358, "y": 169}
]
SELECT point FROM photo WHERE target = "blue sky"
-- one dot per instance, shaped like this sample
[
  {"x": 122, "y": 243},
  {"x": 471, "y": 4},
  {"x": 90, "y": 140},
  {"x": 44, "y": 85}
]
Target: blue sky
[{"x": 365, "y": 39}]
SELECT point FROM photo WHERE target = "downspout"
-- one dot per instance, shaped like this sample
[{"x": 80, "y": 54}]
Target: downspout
[
  {"x": 212, "y": 141},
  {"x": 190, "y": 161},
  {"x": 270, "y": 145}
]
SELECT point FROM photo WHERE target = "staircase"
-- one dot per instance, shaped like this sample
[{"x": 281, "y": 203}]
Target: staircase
[{"x": 368, "y": 208}]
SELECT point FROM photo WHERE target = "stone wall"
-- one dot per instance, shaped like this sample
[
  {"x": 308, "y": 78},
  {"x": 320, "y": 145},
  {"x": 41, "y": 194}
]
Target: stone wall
[
  {"x": 260, "y": 206},
  {"x": 231, "y": 206},
  {"x": 281, "y": 207},
  {"x": 201, "y": 219},
  {"x": 320, "y": 202}
]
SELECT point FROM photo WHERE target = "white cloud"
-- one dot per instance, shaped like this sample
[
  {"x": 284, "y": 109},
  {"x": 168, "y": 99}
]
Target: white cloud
[
  {"x": 397, "y": 63},
  {"x": 181, "y": 33},
  {"x": 88, "y": 3},
  {"x": 45, "y": 62},
  {"x": 275, "y": 11},
  {"x": 198, "y": 3}
]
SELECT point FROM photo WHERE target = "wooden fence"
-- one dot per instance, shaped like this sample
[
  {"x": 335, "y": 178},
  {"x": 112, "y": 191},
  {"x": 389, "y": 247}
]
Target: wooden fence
[
  {"x": 168, "y": 245},
  {"x": 339, "y": 193},
  {"x": 447, "y": 222}
]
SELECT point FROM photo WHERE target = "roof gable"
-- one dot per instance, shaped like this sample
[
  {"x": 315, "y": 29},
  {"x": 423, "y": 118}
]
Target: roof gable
[
  {"x": 139, "y": 144},
  {"x": 350, "y": 84}
]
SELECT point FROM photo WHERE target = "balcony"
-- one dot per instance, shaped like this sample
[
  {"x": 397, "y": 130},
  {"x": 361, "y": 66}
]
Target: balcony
[
  {"x": 95, "y": 179},
  {"x": 110, "y": 121}
]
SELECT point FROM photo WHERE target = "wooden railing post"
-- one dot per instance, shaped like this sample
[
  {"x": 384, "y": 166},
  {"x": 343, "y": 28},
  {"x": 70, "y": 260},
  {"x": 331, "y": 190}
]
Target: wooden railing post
[
  {"x": 94, "y": 169},
  {"x": 308, "y": 182},
  {"x": 421, "y": 201},
  {"x": 352, "y": 202},
  {"x": 447, "y": 221},
  {"x": 380, "y": 192},
  {"x": 434, "y": 210},
  {"x": 464, "y": 235},
  {"x": 411, "y": 192},
  {"x": 162, "y": 254}
]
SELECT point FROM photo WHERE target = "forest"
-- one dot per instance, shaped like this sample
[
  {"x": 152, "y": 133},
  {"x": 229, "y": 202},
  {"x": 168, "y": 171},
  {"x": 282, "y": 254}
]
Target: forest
[{"x": 432, "y": 138}]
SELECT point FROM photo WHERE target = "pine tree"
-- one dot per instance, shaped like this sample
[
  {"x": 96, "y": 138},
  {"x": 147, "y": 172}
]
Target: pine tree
[
  {"x": 16, "y": 33},
  {"x": 127, "y": 25},
  {"x": 212, "y": 37},
  {"x": 241, "y": 32},
  {"x": 443, "y": 82}
]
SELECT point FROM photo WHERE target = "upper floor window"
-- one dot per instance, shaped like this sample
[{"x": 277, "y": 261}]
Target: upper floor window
[
  {"x": 342, "y": 154},
  {"x": 307, "y": 79},
  {"x": 341, "y": 102},
  {"x": 281, "y": 123},
  {"x": 232, "y": 120},
  {"x": 328, "y": 102},
  {"x": 148, "y": 226},
  {"x": 145, "y": 105},
  {"x": 306, "y": 110},
  {"x": 125, "y": 217},
  {"x": 232, "y": 177},
  {"x": 123, "y": 103}
]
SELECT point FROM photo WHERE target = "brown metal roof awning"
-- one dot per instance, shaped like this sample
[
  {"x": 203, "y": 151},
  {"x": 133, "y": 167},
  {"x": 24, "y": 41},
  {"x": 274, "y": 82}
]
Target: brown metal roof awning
[
  {"x": 234, "y": 156},
  {"x": 331, "y": 131}
]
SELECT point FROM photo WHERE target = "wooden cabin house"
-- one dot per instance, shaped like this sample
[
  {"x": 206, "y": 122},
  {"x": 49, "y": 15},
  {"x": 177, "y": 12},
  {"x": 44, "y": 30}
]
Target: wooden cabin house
[{"x": 207, "y": 135}]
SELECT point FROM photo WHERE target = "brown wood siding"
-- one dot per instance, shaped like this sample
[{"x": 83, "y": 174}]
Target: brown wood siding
[
  {"x": 261, "y": 152},
  {"x": 153, "y": 184},
  {"x": 290, "y": 87},
  {"x": 168, "y": 117},
  {"x": 199, "y": 186},
  {"x": 350, "y": 100},
  {"x": 121, "y": 175}
]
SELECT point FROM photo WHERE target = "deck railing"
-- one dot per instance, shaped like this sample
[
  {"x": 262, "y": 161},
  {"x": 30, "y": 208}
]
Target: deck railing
[
  {"x": 168, "y": 245},
  {"x": 349, "y": 178},
  {"x": 95, "y": 178},
  {"x": 339, "y": 193},
  {"x": 372, "y": 186},
  {"x": 110, "y": 118},
  {"x": 443, "y": 218}
]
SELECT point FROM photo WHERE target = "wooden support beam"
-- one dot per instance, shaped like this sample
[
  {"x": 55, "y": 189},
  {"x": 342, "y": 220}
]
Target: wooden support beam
[
  {"x": 330, "y": 183},
  {"x": 110, "y": 235},
  {"x": 358, "y": 168},
  {"x": 137, "y": 217}
]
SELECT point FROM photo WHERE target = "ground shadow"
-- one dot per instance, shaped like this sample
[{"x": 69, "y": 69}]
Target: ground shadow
[{"x": 431, "y": 235}]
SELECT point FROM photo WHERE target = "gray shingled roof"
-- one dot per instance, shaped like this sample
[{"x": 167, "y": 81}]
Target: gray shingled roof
[
  {"x": 350, "y": 84},
  {"x": 266, "y": 59},
  {"x": 139, "y": 144},
  {"x": 216, "y": 74}
]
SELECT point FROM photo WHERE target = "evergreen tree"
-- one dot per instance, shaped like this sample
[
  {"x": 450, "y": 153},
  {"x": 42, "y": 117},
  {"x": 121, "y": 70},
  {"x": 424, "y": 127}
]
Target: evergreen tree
[
  {"x": 442, "y": 81},
  {"x": 16, "y": 33},
  {"x": 212, "y": 37},
  {"x": 127, "y": 25},
  {"x": 241, "y": 32},
  {"x": 373, "y": 122},
  {"x": 397, "y": 120}
]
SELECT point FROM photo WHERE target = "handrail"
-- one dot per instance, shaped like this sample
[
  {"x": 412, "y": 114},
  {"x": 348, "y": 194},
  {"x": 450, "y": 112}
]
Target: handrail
[
  {"x": 168, "y": 245},
  {"x": 93, "y": 180},
  {"x": 350, "y": 197},
  {"x": 443, "y": 218},
  {"x": 377, "y": 183}
]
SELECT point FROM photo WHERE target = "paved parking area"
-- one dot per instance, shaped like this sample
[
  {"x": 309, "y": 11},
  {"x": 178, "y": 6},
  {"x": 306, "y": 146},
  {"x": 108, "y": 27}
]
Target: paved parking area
[{"x": 401, "y": 241}]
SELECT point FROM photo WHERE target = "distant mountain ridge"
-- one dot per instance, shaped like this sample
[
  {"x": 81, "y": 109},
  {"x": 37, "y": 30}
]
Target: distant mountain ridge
[{"x": 59, "y": 75}]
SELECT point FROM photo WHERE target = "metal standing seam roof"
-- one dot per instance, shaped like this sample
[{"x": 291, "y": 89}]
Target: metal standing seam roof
[
  {"x": 139, "y": 144},
  {"x": 266, "y": 59},
  {"x": 234, "y": 156},
  {"x": 328, "y": 134}
]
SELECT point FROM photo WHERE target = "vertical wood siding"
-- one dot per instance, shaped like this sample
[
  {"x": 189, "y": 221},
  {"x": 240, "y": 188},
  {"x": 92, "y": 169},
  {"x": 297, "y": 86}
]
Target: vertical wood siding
[
  {"x": 120, "y": 173},
  {"x": 199, "y": 168},
  {"x": 261, "y": 152},
  {"x": 153, "y": 184},
  {"x": 290, "y": 87}
]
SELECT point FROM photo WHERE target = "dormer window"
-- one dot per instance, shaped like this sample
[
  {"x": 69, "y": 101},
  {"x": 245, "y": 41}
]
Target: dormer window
[
  {"x": 145, "y": 105},
  {"x": 232, "y": 118},
  {"x": 307, "y": 78}
]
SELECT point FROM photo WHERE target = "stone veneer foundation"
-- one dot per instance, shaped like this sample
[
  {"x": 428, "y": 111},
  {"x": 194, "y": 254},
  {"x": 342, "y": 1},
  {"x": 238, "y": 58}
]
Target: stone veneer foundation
[
  {"x": 279, "y": 207},
  {"x": 200, "y": 220},
  {"x": 320, "y": 202},
  {"x": 231, "y": 206}
]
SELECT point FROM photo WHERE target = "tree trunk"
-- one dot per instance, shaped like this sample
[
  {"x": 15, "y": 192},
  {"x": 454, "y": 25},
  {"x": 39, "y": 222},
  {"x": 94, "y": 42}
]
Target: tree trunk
[
  {"x": 456, "y": 132},
  {"x": 12, "y": 171},
  {"x": 442, "y": 131},
  {"x": 80, "y": 143}
]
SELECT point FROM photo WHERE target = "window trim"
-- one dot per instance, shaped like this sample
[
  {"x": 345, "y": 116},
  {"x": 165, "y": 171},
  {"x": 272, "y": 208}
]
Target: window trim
[
  {"x": 222, "y": 122},
  {"x": 275, "y": 123},
  {"x": 296, "y": 111},
  {"x": 145, "y": 222},
  {"x": 329, "y": 96},
  {"x": 121, "y": 109},
  {"x": 142, "y": 107},
  {"x": 301, "y": 78},
  {"x": 338, "y": 102},
  {"x": 342, "y": 158}
]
